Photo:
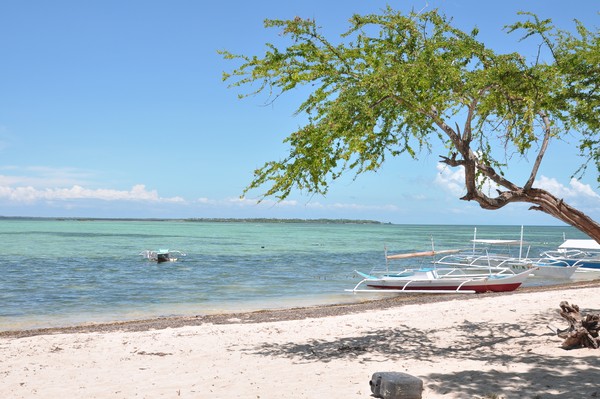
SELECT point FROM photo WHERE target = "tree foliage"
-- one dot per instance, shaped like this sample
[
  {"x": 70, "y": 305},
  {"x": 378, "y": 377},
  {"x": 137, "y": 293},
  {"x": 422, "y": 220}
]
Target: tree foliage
[
  {"x": 577, "y": 61},
  {"x": 393, "y": 83}
]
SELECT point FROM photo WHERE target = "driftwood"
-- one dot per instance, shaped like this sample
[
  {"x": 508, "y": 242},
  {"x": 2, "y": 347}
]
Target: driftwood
[{"x": 583, "y": 329}]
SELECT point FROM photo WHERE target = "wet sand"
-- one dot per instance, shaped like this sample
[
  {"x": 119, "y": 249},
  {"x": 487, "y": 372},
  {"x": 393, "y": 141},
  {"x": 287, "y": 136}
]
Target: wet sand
[{"x": 274, "y": 315}]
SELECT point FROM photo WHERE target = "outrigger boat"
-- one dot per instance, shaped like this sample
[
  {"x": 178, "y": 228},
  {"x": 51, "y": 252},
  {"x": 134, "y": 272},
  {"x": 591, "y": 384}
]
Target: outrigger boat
[
  {"x": 437, "y": 280},
  {"x": 162, "y": 255},
  {"x": 583, "y": 253},
  {"x": 502, "y": 253},
  {"x": 553, "y": 269}
]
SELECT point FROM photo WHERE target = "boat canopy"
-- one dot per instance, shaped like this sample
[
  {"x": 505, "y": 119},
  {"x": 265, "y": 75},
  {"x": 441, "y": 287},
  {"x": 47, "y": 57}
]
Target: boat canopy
[{"x": 580, "y": 244}]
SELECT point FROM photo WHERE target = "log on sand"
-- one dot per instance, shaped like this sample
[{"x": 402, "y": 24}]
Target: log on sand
[{"x": 583, "y": 329}]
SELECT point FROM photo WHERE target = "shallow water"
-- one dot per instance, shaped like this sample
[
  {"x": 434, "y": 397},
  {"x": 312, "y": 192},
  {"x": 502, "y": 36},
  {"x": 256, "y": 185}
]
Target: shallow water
[{"x": 59, "y": 272}]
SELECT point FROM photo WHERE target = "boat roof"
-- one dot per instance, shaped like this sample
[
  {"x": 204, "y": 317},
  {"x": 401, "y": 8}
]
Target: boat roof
[
  {"x": 580, "y": 244},
  {"x": 506, "y": 242}
]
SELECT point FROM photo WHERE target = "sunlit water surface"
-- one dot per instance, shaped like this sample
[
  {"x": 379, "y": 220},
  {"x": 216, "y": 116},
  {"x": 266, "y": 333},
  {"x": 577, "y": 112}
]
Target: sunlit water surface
[{"x": 64, "y": 272}]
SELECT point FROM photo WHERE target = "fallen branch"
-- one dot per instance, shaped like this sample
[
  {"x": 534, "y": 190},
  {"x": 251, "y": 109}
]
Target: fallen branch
[{"x": 583, "y": 331}]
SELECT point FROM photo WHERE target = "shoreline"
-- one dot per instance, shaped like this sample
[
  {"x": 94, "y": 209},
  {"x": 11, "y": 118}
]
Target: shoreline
[{"x": 284, "y": 314}]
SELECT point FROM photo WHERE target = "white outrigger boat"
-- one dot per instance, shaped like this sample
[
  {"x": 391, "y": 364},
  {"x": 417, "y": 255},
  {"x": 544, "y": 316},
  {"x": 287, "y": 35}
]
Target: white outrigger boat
[
  {"x": 502, "y": 253},
  {"x": 438, "y": 279},
  {"x": 582, "y": 253},
  {"x": 162, "y": 255},
  {"x": 483, "y": 261}
]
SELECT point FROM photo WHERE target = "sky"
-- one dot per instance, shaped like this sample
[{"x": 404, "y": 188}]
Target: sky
[{"x": 117, "y": 109}]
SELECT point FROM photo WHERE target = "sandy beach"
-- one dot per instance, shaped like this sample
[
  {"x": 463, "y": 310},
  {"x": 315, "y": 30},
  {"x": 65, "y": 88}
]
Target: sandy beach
[{"x": 480, "y": 346}]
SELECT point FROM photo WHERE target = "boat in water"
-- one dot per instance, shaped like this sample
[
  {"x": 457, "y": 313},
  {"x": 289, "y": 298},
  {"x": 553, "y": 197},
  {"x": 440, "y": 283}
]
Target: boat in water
[
  {"x": 440, "y": 278},
  {"x": 445, "y": 280},
  {"x": 162, "y": 255},
  {"x": 553, "y": 269},
  {"x": 584, "y": 253},
  {"x": 508, "y": 253}
]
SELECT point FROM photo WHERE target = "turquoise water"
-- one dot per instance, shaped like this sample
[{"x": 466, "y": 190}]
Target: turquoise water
[{"x": 62, "y": 272}]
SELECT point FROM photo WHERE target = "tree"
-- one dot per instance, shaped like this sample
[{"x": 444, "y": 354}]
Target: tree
[{"x": 396, "y": 82}]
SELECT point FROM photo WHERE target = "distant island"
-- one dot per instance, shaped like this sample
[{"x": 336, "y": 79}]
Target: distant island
[
  {"x": 196, "y": 220},
  {"x": 268, "y": 220}
]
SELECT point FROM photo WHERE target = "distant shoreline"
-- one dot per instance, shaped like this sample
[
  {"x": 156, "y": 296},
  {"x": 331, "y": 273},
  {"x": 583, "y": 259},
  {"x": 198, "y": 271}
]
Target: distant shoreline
[
  {"x": 243, "y": 220},
  {"x": 198, "y": 220}
]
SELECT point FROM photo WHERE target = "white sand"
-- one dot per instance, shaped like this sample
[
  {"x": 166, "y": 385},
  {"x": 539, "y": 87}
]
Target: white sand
[{"x": 470, "y": 347}]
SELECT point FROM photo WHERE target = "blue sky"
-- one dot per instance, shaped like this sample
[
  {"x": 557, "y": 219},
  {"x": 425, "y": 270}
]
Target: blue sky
[{"x": 117, "y": 109}]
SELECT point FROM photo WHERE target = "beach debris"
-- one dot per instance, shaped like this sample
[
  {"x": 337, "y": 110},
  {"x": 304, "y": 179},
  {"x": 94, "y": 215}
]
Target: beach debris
[
  {"x": 153, "y": 353},
  {"x": 583, "y": 331},
  {"x": 352, "y": 348},
  {"x": 395, "y": 385}
]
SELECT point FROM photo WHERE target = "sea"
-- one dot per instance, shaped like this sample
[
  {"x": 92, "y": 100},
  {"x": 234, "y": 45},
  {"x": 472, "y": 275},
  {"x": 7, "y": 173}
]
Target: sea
[{"x": 56, "y": 273}]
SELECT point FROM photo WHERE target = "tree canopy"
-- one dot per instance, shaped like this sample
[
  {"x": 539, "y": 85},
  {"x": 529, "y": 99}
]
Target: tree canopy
[{"x": 393, "y": 83}]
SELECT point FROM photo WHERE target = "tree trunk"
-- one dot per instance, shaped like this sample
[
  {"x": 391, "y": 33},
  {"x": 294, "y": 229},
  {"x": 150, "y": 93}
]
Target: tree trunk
[
  {"x": 553, "y": 206},
  {"x": 540, "y": 199},
  {"x": 545, "y": 202}
]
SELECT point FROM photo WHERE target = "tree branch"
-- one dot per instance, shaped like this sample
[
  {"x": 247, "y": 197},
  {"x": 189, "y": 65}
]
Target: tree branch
[{"x": 540, "y": 155}]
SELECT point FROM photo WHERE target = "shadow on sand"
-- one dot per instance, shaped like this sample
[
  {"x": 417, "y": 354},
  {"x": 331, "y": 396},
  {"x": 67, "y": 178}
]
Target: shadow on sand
[{"x": 567, "y": 375}]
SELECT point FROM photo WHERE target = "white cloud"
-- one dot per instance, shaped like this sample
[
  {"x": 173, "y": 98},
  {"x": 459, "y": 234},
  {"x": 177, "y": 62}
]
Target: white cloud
[
  {"x": 584, "y": 189},
  {"x": 451, "y": 179},
  {"x": 29, "y": 194},
  {"x": 34, "y": 184},
  {"x": 575, "y": 190}
]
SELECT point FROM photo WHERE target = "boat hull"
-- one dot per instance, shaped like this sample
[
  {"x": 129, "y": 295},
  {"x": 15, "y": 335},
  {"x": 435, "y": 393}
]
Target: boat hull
[
  {"x": 163, "y": 257},
  {"x": 431, "y": 280},
  {"x": 584, "y": 264},
  {"x": 554, "y": 270},
  {"x": 479, "y": 287}
]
